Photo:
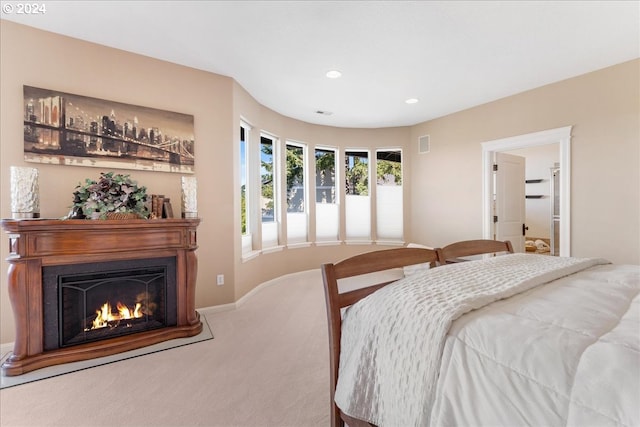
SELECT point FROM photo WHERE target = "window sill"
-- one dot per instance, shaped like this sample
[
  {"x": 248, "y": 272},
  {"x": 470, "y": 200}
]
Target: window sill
[
  {"x": 272, "y": 249},
  {"x": 328, "y": 243},
  {"x": 358, "y": 242},
  {"x": 299, "y": 245}
]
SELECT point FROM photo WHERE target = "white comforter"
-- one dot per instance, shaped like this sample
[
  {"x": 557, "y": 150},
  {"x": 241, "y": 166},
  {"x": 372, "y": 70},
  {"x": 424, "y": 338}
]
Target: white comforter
[
  {"x": 562, "y": 353},
  {"x": 567, "y": 353}
]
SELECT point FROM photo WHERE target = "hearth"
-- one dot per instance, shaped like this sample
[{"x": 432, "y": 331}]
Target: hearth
[
  {"x": 97, "y": 301},
  {"x": 67, "y": 278}
]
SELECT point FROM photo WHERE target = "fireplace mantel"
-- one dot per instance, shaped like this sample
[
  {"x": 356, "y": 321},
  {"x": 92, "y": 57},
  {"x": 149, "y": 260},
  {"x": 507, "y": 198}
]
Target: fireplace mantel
[{"x": 37, "y": 243}]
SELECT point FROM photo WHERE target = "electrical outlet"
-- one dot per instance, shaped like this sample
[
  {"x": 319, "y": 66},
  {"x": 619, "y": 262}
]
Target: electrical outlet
[{"x": 220, "y": 279}]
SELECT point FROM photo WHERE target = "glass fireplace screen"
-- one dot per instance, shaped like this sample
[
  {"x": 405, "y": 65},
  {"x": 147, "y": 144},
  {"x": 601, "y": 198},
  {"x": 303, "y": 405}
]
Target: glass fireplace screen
[{"x": 108, "y": 302}]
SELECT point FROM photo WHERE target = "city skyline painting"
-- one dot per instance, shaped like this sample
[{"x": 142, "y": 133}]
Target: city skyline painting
[{"x": 76, "y": 130}]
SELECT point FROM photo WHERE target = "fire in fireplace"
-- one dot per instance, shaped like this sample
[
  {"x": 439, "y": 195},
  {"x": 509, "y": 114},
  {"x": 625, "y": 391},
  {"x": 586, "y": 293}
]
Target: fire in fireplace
[
  {"x": 106, "y": 317},
  {"x": 97, "y": 301}
]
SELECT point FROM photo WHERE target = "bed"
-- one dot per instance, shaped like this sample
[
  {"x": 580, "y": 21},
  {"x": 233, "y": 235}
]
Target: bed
[{"x": 515, "y": 339}]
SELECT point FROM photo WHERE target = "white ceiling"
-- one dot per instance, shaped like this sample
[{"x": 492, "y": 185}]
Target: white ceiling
[{"x": 451, "y": 55}]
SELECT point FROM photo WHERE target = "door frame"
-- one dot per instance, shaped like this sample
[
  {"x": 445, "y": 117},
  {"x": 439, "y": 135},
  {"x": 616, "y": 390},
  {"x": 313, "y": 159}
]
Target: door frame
[{"x": 560, "y": 136}]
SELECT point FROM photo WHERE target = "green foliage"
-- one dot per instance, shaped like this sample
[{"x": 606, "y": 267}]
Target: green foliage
[
  {"x": 325, "y": 175},
  {"x": 110, "y": 193},
  {"x": 387, "y": 167},
  {"x": 357, "y": 178},
  {"x": 326, "y": 162},
  {"x": 295, "y": 177},
  {"x": 243, "y": 208},
  {"x": 267, "y": 179}
]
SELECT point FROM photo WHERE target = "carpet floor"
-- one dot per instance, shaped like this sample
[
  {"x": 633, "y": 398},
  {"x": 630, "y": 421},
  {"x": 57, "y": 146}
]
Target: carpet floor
[
  {"x": 66, "y": 368},
  {"x": 267, "y": 366}
]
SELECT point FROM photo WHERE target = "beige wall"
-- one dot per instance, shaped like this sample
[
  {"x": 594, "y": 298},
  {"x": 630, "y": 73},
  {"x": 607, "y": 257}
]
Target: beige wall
[
  {"x": 603, "y": 108},
  {"x": 442, "y": 189}
]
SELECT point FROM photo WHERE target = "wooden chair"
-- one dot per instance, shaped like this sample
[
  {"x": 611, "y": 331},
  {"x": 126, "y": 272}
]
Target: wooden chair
[
  {"x": 377, "y": 261},
  {"x": 454, "y": 252}
]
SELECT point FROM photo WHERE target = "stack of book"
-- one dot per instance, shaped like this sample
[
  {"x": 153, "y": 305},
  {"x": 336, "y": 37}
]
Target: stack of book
[{"x": 161, "y": 206}]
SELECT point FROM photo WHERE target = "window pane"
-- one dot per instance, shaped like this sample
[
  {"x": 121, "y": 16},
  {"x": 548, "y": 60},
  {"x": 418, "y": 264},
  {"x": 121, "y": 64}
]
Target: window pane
[
  {"x": 389, "y": 202},
  {"x": 357, "y": 173},
  {"x": 296, "y": 204},
  {"x": 327, "y": 212},
  {"x": 267, "y": 181},
  {"x": 389, "y": 167},
  {"x": 295, "y": 178},
  {"x": 325, "y": 176},
  {"x": 243, "y": 180},
  {"x": 357, "y": 200}
]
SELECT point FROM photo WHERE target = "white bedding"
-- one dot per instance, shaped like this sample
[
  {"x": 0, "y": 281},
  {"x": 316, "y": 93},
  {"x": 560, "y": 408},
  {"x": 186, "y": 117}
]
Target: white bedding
[
  {"x": 566, "y": 353},
  {"x": 563, "y": 353}
]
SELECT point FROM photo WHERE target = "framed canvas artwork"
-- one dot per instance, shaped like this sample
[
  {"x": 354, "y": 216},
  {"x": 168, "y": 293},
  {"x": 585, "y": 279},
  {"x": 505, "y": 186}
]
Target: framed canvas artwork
[{"x": 68, "y": 129}]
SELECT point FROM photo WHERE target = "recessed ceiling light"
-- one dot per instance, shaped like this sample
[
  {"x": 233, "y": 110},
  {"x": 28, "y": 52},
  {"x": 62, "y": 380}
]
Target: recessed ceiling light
[
  {"x": 334, "y": 74},
  {"x": 412, "y": 101}
]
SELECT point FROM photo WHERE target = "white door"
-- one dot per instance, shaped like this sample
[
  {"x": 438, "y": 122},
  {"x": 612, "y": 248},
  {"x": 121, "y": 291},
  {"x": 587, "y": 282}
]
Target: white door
[{"x": 509, "y": 210}]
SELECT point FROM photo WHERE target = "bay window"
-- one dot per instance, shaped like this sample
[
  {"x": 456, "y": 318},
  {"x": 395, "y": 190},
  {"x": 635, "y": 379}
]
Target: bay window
[{"x": 280, "y": 203}]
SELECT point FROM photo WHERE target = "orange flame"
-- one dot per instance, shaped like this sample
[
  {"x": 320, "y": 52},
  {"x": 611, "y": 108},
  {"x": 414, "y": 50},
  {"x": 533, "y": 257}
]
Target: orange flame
[{"x": 105, "y": 314}]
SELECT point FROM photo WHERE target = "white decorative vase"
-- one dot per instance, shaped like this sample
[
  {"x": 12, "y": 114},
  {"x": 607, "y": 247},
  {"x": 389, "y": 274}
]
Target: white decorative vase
[
  {"x": 25, "y": 193},
  {"x": 189, "y": 197}
]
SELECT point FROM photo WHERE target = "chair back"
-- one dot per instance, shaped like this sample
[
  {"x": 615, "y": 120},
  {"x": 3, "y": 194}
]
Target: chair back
[{"x": 453, "y": 252}]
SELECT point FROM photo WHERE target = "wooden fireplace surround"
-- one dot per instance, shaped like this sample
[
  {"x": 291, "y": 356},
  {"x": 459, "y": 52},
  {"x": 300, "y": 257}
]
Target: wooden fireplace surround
[{"x": 37, "y": 243}]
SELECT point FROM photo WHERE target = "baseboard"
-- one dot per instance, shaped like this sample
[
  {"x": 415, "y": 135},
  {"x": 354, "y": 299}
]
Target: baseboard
[{"x": 252, "y": 292}]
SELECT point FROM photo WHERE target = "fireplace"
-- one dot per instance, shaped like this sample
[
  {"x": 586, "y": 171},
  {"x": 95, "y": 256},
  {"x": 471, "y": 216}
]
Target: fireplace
[
  {"x": 97, "y": 301},
  {"x": 83, "y": 289}
]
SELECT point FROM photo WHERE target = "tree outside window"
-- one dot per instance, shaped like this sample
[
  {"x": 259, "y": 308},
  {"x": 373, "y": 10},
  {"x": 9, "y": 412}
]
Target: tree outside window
[
  {"x": 267, "y": 182},
  {"x": 295, "y": 178},
  {"x": 389, "y": 168},
  {"x": 325, "y": 176},
  {"x": 243, "y": 180},
  {"x": 357, "y": 173}
]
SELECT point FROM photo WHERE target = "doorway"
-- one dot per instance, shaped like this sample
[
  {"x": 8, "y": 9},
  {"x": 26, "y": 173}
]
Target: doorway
[
  {"x": 539, "y": 201},
  {"x": 560, "y": 136}
]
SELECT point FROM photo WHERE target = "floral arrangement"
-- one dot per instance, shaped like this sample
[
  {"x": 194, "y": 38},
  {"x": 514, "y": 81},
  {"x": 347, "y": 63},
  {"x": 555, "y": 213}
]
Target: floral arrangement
[{"x": 110, "y": 194}]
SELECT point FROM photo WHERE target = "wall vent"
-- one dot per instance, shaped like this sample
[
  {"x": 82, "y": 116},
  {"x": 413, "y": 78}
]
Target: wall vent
[{"x": 423, "y": 144}]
